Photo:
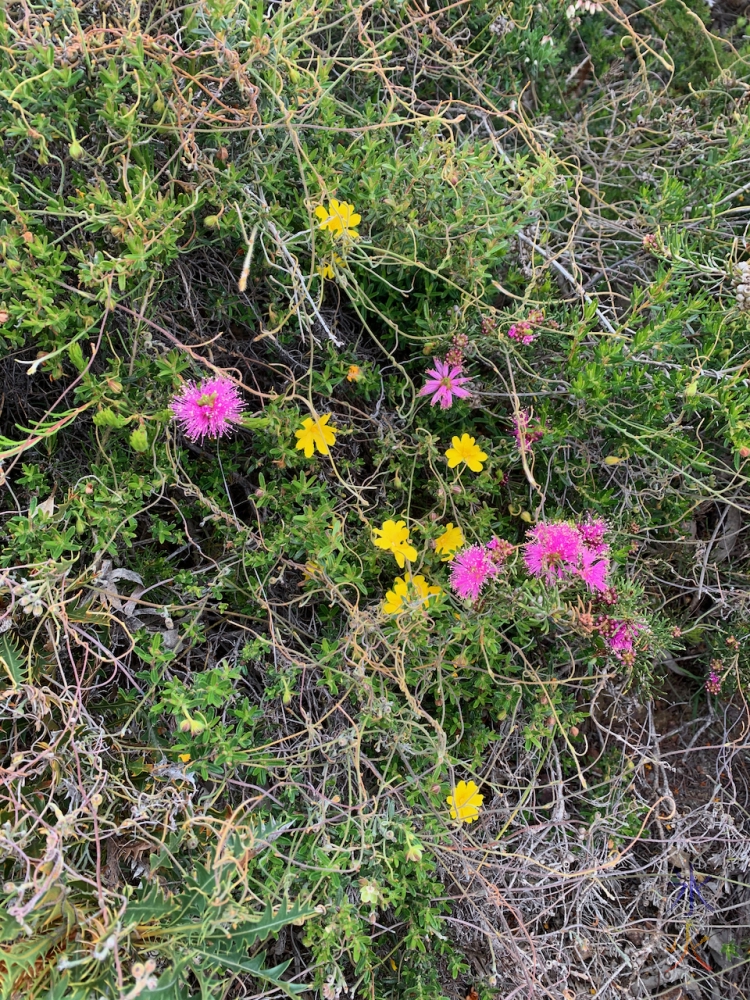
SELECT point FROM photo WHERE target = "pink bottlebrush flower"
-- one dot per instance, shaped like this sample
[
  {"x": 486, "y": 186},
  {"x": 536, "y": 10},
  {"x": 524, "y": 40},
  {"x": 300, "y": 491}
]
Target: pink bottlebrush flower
[
  {"x": 446, "y": 382},
  {"x": 208, "y": 409},
  {"x": 470, "y": 570},
  {"x": 558, "y": 552},
  {"x": 553, "y": 551},
  {"x": 594, "y": 569},
  {"x": 713, "y": 683},
  {"x": 499, "y": 550},
  {"x": 619, "y": 635},
  {"x": 521, "y": 331},
  {"x": 592, "y": 534},
  {"x": 523, "y": 433}
]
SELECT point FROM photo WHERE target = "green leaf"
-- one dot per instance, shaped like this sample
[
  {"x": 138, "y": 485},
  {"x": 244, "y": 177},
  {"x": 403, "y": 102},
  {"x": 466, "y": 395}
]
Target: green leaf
[{"x": 12, "y": 659}]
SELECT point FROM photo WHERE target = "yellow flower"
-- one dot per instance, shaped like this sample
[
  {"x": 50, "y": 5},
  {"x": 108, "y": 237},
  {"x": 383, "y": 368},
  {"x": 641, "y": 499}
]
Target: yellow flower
[
  {"x": 408, "y": 593},
  {"x": 394, "y": 537},
  {"x": 327, "y": 271},
  {"x": 449, "y": 542},
  {"x": 184, "y": 757},
  {"x": 339, "y": 218},
  {"x": 354, "y": 374},
  {"x": 466, "y": 803},
  {"x": 465, "y": 449},
  {"x": 314, "y": 434}
]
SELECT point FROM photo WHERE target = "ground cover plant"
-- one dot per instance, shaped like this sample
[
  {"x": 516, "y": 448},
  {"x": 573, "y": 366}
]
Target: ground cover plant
[{"x": 375, "y": 428}]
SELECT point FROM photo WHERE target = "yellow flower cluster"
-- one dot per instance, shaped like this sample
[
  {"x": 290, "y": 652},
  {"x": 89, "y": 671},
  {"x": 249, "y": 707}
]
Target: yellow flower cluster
[
  {"x": 339, "y": 219},
  {"x": 409, "y": 592},
  {"x": 394, "y": 537}
]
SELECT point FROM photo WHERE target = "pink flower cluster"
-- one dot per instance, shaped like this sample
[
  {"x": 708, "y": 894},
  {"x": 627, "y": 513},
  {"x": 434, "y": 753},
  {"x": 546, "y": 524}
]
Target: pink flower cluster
[
  {"x": 208, "y": 409},
  {"x": 473, "y": 567},
  {"x": 521, "y": 331},
  {"x": 619, "y": 634},
  {"x": 525, "y": 434},
  {"x": 560, "y": 552},
  {"x": 713, "y": 683}
]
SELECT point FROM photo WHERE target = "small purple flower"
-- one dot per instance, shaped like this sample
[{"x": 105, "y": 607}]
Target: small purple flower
[
  {"x": 470, "y": 570},
  {"x": 208, "y": 409},
  {"x": 690, "y": 886},
  {"x": 446, "y": 382}
]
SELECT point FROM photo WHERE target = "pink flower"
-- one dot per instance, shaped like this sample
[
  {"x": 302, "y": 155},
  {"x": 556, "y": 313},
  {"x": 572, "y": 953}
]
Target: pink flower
[
  {"x": 592, "y": 535},
  {"x": 553, "y": 551},
  {"x": 713, "y": 684},
  {"x": 558, "y": 552},
  {"x": 619, "y": 634},
  {"x": 446, "y": 382},
  {"x": 594, "y": 570},
  {"x": 208, "y": 409},
  {"x": 470, "y": 570},
  {"x": 524, "y": 435},
  {"x": 521, "y": 331},
  {"x": 499, "y": 550}
]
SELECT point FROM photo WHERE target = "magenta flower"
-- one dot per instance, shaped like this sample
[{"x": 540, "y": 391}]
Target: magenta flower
[
  {"x": 620, "y": 636},
  {"x": 593, "y": 570},
  {"x": 592, "y": 535},
  {"x": 524, "y": 434},
  {"x": 558, "y": 552},
  {"x": 713, "y": 683},
  {"x": 446, "y": 382},
  {"x": 208, "y": 409},
  {"x": 521, "y": 331},
  {"x": 470, "y": 570},
  {"x": 553, "y": 551}
]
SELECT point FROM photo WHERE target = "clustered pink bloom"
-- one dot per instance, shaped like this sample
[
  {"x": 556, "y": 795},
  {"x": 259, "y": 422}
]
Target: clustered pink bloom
[
  {"x": 619, "y": 635},
  {"x": 499, "y": 550},
  {"x": 445, "y": 383},
  {"x": 521, "y": 331},
  {"x": 208, "y": 409},
  {"x": 592, "y": 533},
  {"x": 473, "y": 567},
  {"x": 558, "y": 551},
  {"x": 713, "y": 684},
  {"x": 470, "y": 570},
  {"x": 455, "y": 354},
  {"x": 523, "y": 433}
]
